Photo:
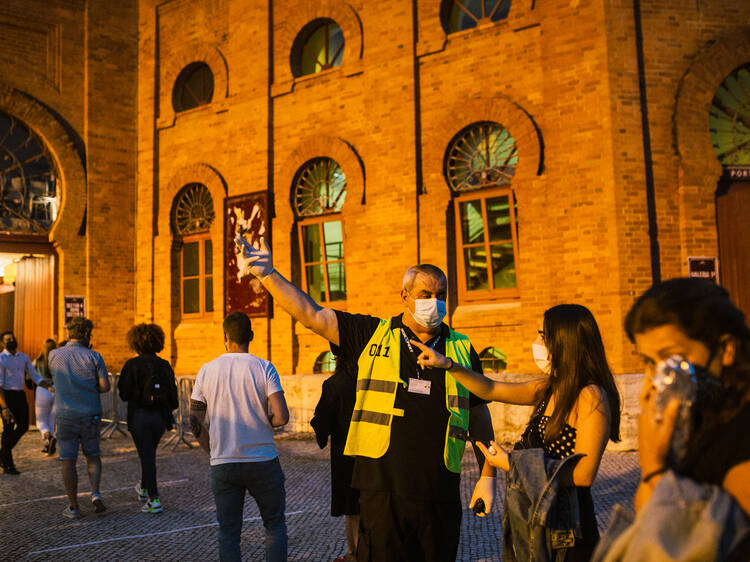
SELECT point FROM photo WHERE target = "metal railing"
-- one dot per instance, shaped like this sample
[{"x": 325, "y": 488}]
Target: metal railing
[
  {"x": 182, "y": 427},
  {"x": 114, "y": 410}
]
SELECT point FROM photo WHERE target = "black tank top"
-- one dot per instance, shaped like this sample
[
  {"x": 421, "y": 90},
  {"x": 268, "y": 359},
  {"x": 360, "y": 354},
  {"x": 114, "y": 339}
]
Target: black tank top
[{"x": 563, "y": 446}]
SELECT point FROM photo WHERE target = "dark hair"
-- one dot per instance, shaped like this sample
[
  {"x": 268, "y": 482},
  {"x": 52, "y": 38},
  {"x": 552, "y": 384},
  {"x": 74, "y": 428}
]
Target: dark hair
[
  {"x": 238, "y": 329},
  {"x": 703, "y": 311},
  {"x": 5, "y": 333},
  {"x": 577, "y": 360},
  {"x": 48, "y": 345},
  {"x": 146, "y": 338},
  {"x": 79, "y": 328}
]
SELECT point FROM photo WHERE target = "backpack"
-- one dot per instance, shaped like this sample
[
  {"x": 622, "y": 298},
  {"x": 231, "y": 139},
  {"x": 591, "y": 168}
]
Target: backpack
[{"x": 155, "y": 388}]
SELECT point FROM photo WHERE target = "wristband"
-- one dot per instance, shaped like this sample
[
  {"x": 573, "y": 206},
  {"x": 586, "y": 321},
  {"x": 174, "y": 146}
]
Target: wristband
[
  {"x": 453, "y": 364},
  {"x": 653, "y": 473},
  {"x": 266, "y": 276}
]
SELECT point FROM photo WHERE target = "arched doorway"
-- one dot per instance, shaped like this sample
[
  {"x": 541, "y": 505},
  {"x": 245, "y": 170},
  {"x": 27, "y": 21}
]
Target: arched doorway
[{"x": 729, "y": 124}]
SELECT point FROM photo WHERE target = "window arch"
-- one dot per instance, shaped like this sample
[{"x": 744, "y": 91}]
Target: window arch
[
  {"x": 325, "y": 363},
  {"x": 457, "y": 15},
  {"x": 479, "y": 164},
  {"x": 194, "y": 87},
  {"x": 318, "y": 195},
  {"x": 729, "y": 119},
  {"x": 318, "y": 47},
  {"x": 29, "y": 194},
  {"x": 493, "y": 360},
  {"x": 193, "y": 214}
]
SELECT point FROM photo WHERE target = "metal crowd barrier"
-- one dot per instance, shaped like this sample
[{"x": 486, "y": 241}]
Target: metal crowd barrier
[
  {"x": 114, "y": 410},
  {"x": 182, "y": 427}
]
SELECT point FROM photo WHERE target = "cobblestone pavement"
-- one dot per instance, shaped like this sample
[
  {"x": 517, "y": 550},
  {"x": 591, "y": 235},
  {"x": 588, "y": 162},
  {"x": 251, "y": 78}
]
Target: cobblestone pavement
[{"x": 32, "y": 527}]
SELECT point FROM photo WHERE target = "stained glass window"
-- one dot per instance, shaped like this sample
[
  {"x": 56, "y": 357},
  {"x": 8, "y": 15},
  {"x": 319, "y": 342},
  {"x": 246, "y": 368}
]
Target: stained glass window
[
  {"x": 194, "y": 87},
  {"x": 320, "y": 188},
  {"x": 458, "y": 15},
  {"x": 482, "y": 155},
  {"x": 729, "y": 119},
  {"x": 29, "y": 191},
  {"x": 321, "y": 46}
]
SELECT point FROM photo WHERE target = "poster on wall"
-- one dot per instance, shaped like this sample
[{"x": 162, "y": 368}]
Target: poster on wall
[
  {"x": 75, "y": 307},
  {"x": 246, "y": 216},
  {"x": 703, "y": 267}
]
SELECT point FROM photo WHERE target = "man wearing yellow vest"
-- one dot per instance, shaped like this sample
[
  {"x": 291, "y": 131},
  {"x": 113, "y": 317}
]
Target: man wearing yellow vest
[{"x": 409, "y": 426}]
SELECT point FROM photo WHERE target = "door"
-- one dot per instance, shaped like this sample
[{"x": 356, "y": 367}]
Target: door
[{"x": 733, "y": 218}]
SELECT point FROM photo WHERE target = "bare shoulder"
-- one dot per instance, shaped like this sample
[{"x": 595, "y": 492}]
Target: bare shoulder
[{"x": 591, "y": 399}]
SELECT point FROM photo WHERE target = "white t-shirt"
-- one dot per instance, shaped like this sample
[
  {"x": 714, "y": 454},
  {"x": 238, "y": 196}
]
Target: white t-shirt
[{"x": 236, "y": 387}]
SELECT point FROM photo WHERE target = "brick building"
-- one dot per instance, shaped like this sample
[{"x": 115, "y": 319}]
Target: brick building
[{"x": 539, "y": 152}]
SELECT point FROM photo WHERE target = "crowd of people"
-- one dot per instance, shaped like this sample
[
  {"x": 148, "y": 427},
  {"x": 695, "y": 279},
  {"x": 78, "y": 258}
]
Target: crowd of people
[{"x": 407, "y": 395}]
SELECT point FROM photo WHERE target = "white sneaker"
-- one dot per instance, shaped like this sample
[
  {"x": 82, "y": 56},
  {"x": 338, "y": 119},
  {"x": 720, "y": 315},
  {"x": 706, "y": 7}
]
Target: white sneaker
[
  {"x": 142, "y": 492},
  {"x": 152, "y": 506}
]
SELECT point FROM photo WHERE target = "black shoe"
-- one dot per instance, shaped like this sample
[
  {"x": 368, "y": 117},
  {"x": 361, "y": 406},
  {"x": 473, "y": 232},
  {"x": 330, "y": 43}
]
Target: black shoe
[
  {"x": 45, "y": 449},
  {"x": 52, "y": 446},
  {"x": 10, "y": 470}
]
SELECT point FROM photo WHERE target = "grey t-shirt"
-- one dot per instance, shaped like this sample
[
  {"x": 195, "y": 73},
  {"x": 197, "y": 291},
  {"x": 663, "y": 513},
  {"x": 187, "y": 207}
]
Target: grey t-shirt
[{"x": 76, "y": 371}]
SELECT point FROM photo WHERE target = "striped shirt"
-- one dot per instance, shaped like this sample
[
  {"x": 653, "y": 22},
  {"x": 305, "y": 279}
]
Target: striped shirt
[{"x": 13, "y": 370}]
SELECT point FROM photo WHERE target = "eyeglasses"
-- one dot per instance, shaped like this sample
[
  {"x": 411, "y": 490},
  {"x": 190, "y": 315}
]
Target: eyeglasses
[{"x": 541, "y": 333}]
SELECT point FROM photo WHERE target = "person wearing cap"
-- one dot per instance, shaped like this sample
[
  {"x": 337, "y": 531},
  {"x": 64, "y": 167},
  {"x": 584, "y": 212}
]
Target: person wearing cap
[{"x": 409, "y": 426}]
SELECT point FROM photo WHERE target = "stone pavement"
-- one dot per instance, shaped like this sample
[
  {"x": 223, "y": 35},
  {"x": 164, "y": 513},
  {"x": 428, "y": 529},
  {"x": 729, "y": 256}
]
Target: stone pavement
[{"x": 32, "y": 528}]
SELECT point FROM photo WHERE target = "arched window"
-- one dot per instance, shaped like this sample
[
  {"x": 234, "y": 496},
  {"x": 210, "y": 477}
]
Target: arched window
[
  {"x": 193, "y": 216},
  {"x": 29, "y": 194},
  {"x": 493, "y": 360},
  {"x": 325, "y": 363},
  {"x": 479, "y": 165},
  {"x": 318, "y": 195},
  {"x": 729, "y": 119},
  {"x": 319, "y": 46},
  {"x": 458, "y": 15},
  {"x": 194, "y": 87}
]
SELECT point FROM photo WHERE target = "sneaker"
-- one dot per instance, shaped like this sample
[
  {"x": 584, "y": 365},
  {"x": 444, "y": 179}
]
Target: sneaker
[
  {"x": 99, "y": 506},
  {"x": 142, "y": 493},
  {"x": 71, "y": 513},
  {"x": 10, "y": 470},
  {"x": 52, "y": 446},
  {"x": 152, "y": 506}
]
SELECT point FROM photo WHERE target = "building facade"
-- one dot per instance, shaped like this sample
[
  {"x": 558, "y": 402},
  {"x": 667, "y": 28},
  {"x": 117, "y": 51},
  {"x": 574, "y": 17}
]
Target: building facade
[{"x": 538, "y": 152}]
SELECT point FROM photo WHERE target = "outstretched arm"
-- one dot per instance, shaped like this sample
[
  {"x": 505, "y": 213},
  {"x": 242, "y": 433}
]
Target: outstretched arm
[
  {"x": 509, "y": 392},
  {"x": 299, "y": 305}
]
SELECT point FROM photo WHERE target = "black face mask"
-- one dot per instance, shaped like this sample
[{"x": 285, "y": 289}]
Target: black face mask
[
  {"x": 710, "y": 391},
  {"x": 11, "y": 346}
]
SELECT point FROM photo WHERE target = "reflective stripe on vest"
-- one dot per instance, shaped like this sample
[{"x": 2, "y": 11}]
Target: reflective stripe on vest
[{"x": 377, "y": 382}]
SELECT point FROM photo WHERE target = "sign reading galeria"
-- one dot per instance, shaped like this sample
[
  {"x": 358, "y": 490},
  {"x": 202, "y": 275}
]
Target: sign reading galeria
[
  {"x": 246, "y": 216},
  {"x": 704, "y": 267},
  {"x": 75, "y": 307}
]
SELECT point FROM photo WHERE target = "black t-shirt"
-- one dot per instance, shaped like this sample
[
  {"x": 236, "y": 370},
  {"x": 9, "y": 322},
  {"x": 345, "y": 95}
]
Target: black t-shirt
[{"x": 413, "y": 466}]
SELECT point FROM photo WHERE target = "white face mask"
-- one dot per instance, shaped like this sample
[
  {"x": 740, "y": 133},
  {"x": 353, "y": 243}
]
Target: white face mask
[
  {"x": 540, "y": 353},
  {"x": 429, "y": 312}
]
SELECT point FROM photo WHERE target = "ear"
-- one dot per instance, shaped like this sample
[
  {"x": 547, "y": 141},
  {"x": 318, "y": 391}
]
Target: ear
[
  {"x": 729, "y": 350},
  {"x": 252, "y": 335},
  {"x": 404, "y": 297}
]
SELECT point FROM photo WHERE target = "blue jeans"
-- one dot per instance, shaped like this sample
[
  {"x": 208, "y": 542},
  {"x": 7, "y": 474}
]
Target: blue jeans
[{"x": 265, "y": 482}]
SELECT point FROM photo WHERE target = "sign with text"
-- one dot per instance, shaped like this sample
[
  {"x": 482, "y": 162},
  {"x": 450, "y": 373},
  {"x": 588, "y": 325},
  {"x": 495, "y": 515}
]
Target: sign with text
[
  {"x": 703, "y": 267},
  {"x": 737, "y": 173},
  {"x": 75, "y": 307}
]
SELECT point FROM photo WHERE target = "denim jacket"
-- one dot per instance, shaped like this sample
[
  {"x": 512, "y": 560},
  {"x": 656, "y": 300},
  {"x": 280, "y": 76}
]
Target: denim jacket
[
  {"x": 541, "y": 519},
  {"x": 683, "y": 520}
]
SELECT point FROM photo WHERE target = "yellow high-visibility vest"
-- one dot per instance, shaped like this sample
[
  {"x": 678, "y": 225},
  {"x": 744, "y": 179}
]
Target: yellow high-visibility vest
[{"x": 377, "y": 381}]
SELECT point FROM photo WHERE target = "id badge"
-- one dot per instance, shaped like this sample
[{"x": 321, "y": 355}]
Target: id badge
[{"x": 419, "y": 386}]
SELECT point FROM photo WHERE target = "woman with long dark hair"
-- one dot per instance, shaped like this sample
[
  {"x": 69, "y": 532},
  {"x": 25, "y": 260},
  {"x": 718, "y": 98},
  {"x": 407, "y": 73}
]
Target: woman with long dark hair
[
  {"x": 148, "y": 385},
  {"x": 576, "y": 407},
  {"x": 44, "y": 400},
  {"x": 695, "y": 319}
]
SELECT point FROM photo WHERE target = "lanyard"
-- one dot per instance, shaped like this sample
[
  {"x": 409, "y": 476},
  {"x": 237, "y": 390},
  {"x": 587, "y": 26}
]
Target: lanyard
[{"x": 411, "y": 349}]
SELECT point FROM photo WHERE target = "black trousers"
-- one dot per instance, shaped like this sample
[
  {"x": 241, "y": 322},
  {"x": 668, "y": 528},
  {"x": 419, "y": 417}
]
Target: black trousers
[
  {"x": 394, "y": 528},
  {"x": 147, "y": 426},
  {"x": 12, "y": 432}
]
